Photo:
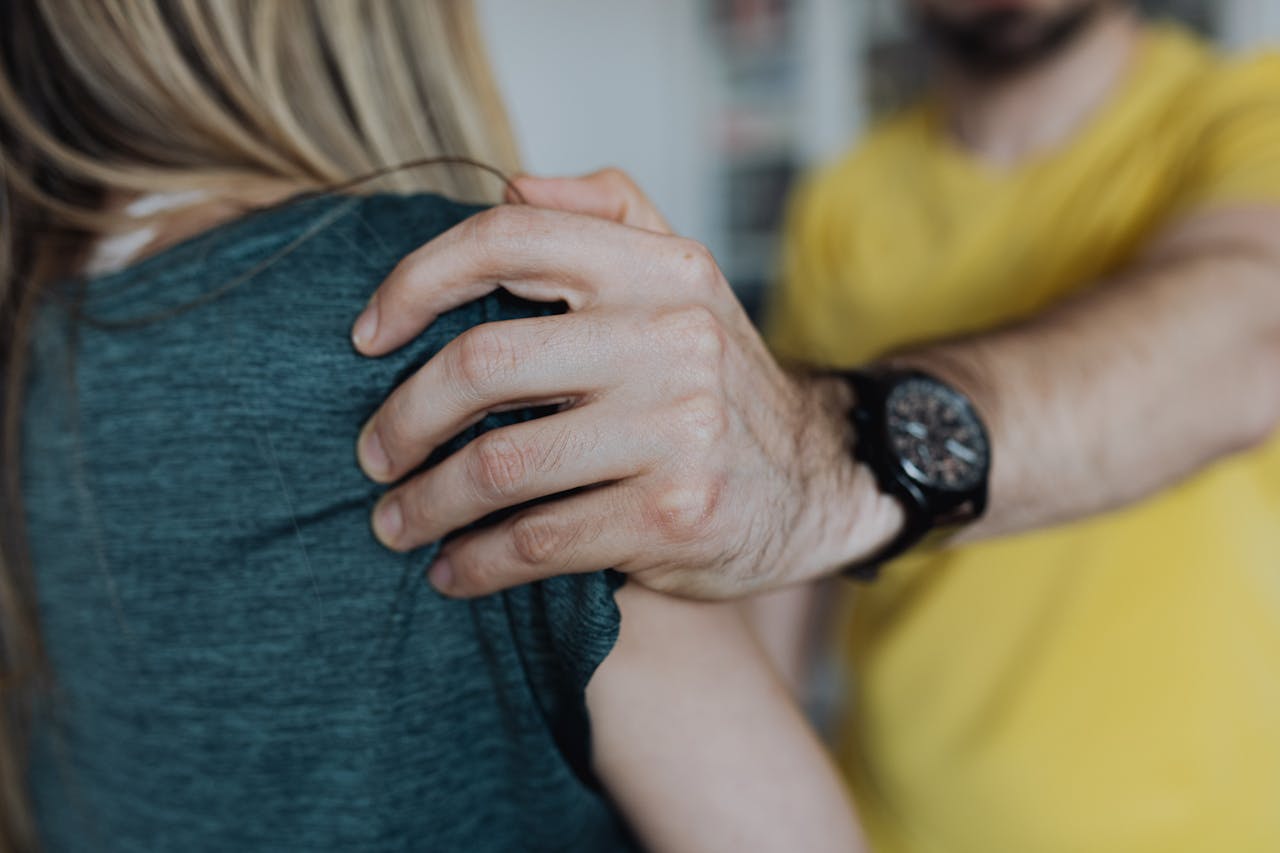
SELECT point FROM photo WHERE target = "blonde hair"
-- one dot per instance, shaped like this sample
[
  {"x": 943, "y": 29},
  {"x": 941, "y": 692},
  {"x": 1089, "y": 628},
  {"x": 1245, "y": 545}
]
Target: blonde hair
[{"x": 103, "y": 98}]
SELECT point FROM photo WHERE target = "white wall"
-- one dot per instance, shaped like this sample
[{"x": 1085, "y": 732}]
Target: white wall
[
  {"x": 832, "y": 112},
  {"x": 1250, "y": 23},
  {"x": 594, "y": 83}
]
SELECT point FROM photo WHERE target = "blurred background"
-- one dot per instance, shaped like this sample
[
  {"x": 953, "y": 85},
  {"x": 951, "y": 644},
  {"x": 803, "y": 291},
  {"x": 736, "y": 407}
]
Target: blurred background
[{"x": 716, "y": 106}]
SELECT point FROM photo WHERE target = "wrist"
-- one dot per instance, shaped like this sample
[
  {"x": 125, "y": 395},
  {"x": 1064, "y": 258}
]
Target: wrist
[{"x": 849, "y": 517}]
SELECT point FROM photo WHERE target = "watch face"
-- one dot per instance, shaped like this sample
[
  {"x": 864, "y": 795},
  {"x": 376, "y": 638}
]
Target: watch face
[{"x": 936, "y": 435}]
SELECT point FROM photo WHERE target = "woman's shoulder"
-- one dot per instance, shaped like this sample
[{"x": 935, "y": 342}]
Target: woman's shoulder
[
  {"x": 262, "y": 307},
  {"x": 217, "y": 401},
  {"x": 252, "y": 321}
]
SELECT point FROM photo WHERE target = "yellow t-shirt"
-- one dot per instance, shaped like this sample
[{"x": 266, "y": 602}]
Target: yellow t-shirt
[{"x": 1109, "y": 686}]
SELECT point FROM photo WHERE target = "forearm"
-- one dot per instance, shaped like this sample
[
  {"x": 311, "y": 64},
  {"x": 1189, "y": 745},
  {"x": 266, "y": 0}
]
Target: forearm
[
  {"x": 698, "y": 742},
  {"x": 691, "y": 461},
  {"x": 790, "y": 625},
  {"x": 1125, "y": 391}
]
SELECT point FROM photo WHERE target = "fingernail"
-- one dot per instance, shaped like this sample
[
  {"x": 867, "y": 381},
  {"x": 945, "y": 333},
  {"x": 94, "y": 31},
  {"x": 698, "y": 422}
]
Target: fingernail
[
  {"x": 373, "y": 456},
  {"x": 441, "y": 575},
  {"x": 366, "y": 327},
  {"x": 388, "y": 521}
]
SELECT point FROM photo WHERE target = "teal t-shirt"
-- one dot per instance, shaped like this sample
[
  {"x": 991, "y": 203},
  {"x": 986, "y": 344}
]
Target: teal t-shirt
[{"x": 239, "y": 665}]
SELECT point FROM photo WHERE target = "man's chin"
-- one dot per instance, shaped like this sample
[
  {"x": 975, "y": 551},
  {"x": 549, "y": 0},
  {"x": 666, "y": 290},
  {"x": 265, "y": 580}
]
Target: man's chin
[{"x": 1006, "y": 41}]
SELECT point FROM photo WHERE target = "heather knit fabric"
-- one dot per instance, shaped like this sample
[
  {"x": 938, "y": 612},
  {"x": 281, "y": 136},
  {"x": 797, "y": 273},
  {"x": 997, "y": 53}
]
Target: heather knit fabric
[{"x": 239, "y": 665}]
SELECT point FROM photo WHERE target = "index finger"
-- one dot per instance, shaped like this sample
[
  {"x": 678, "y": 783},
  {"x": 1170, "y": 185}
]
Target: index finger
[{"x": 542, "y": 255}]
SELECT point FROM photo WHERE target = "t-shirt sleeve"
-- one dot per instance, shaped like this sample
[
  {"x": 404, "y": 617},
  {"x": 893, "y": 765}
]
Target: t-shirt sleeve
[
  {"x": 564, "y": 629},
  {"x": 1236, "y": 157}
]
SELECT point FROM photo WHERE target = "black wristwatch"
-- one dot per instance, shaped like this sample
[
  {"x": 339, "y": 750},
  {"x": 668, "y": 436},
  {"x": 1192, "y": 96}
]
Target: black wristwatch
[{"x": 927, "y": 446}]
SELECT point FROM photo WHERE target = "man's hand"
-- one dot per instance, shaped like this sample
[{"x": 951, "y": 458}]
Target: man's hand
[{"x": 693, "y": 462}]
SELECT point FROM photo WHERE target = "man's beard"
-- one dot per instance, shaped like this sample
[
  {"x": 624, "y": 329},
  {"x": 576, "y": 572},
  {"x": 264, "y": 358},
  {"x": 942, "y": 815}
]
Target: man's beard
[{"x": 1005, "y": 42}]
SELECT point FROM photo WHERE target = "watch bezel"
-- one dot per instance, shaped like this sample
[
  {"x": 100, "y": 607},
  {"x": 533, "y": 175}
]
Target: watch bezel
[
  {"x": 972, "y": 421},
  {"x": 926, "y": 508}
]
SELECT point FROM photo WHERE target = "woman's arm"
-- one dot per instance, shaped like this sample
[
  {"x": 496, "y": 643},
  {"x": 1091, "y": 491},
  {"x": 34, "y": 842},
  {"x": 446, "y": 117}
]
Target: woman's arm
[
  {"x": 793, "y": 626},
  {"x": 699, "y": 743}
]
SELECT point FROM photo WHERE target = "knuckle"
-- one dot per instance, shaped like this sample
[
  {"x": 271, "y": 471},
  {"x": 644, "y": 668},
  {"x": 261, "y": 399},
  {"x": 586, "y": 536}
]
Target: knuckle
[
  {"x": 418, "y": 521},
  {"x": 498, "y": 466},
  {"x": 613, "y": 178},
  {"x": 494, "y": 226},
  {"x": 481, "y": 357},
  {"x": 695, "y": 332},
  {"x": 395, "y": 425},
  {"x": 614, "y": 175},
  {"x": 685, "y": 511},
  {"x": 618, "y": 183},
  {"x": 697, "y": 266},
  {"x": 537, "y": 539},
  {"x": 702, "y": 421},
  {"x": 472, "y": 575},
  {"x": 508, "y": 230}
]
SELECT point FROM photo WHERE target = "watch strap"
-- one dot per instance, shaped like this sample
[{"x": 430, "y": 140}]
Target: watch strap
[{"x": 869, "y": 399}]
